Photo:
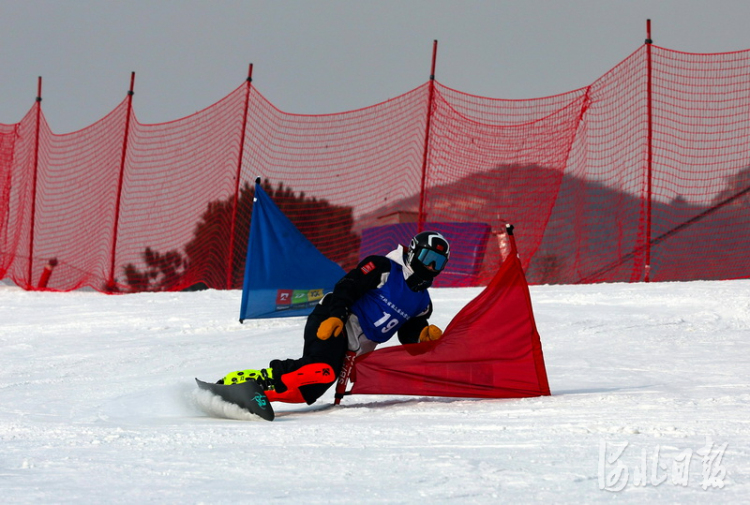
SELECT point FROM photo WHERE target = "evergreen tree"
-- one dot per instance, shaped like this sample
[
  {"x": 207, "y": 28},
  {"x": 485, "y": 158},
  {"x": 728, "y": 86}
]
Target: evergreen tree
[{"x": 204, "y": 263}]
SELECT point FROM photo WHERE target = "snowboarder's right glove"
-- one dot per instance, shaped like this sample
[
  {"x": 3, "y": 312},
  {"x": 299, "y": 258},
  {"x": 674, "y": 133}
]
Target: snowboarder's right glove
[{"x": 331, "y": 326}]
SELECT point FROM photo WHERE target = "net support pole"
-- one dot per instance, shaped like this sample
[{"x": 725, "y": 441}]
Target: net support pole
[
  {"x": 649, "y": 152},
  {"x": 421, "y": 215},
  {"x": 235, "y": 204},
  {"x": 123, "y": 156},
  {"x": 47, "y": 273},
  {"x": 38, "y": 105}
]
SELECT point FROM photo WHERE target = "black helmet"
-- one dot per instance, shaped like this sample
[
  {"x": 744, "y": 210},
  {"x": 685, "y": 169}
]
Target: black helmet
[{"x": 427, "y": 256}]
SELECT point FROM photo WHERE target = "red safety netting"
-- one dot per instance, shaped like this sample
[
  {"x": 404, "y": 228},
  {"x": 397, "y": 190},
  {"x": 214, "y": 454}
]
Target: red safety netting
[{"x": 631, "y": 178}]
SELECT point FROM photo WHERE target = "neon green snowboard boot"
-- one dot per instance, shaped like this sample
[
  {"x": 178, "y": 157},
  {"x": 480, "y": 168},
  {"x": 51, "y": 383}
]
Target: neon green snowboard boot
[{"x": 264, "y": 377}]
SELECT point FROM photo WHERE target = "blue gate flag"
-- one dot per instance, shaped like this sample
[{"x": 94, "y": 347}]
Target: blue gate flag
[{"x": 285, "y": 274}]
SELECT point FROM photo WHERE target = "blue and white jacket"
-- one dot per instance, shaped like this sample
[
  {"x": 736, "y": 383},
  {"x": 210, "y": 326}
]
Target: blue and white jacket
[{"x": 375, "y": 303}]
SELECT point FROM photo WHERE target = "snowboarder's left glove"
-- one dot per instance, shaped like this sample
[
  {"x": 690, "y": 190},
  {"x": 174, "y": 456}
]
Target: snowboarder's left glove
[
  {"x": 430, "y": 333},
  {"x": 331, "y": 326}
]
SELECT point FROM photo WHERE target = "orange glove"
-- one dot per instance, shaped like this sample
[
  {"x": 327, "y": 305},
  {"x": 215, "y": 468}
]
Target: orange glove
[
  {"x": 430, "y": 333},
  {"x": 331, "y": 326}
]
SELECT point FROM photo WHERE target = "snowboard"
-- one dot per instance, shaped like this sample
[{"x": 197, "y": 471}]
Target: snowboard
[{"x": 247, "y": 395}]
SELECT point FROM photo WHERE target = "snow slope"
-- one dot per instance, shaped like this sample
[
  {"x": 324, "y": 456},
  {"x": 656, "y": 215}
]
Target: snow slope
[{"x": 98, "y": 405}]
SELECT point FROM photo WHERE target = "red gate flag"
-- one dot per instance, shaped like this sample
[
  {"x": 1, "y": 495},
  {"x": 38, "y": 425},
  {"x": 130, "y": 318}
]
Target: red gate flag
[{"x": 491, "y": 349}]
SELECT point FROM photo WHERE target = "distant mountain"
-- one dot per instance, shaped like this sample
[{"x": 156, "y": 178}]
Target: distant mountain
[{"x": 571, "y": 230}]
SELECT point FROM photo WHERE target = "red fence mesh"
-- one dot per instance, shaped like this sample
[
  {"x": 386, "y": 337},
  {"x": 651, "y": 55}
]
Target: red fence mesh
[{"x": 643, "y": 175}]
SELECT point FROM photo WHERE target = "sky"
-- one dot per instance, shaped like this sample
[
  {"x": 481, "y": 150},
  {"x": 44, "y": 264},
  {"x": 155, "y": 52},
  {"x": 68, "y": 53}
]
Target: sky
[{"x": 318, "y": 57}]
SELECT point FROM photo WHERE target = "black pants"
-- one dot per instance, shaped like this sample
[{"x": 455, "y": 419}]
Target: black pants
[{"x": 331, "y": 352}]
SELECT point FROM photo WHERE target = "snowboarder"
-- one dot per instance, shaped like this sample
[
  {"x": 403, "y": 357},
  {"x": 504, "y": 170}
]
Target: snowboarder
[{"x": 382, "y": 296}]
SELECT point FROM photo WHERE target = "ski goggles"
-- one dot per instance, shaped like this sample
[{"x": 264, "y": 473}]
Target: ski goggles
[{"x": 428, "y": 257}]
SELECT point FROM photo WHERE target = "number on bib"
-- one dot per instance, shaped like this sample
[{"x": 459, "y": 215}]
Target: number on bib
[{"x": 386, "y": 319}]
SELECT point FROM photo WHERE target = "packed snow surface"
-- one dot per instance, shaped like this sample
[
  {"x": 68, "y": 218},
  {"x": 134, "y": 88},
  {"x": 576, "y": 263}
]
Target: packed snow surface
[{"x": 650, "y": 403}]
